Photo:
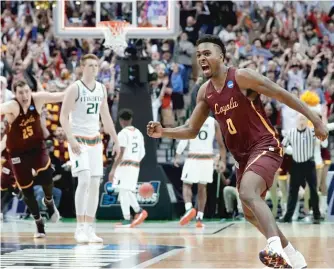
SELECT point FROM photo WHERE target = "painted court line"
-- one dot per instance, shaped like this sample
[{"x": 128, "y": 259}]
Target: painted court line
[{"x": 221, "y": 229}]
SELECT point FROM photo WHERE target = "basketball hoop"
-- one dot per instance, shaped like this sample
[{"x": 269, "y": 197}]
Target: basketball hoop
[{"x": 115, "y": 35}]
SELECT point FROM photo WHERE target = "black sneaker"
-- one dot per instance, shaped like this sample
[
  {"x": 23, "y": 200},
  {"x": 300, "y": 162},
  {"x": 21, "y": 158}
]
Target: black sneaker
[
  {"x": 40, "y": 233},
  {"x": 316, "y": 221}
]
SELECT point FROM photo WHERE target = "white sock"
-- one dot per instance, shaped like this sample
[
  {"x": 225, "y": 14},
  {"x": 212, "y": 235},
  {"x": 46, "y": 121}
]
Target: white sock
[
  {"x": 289, "y": 249},
  {"x": 188, "y": 206},
  {"x": 275, "y": 244},
  {"x": 323, "y": 203},
  {"x": 125, "y": 204},
  {"x": 199, "y": 215},
  {"x": 133, "y": 201}
]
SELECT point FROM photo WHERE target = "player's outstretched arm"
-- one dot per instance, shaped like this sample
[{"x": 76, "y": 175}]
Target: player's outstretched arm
[
  {"x": 49, "y": 97},
  {"x": 9, "y": 107},
  {"x": 249, "y": 79},
  {"x": 71, "y": 95},
  {"x": 186, "y": 131},
  {"x": 108, "y": 123}
]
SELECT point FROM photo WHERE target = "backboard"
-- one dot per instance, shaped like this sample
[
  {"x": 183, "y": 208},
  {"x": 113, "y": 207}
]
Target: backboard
[{"x": 148, "y": 18}]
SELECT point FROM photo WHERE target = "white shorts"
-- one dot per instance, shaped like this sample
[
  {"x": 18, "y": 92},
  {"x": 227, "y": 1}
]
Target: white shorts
[
  {"x": 90, "y": 158},
  {"x": 197, "y": 171},
  {"x": 126, "y": 178}
]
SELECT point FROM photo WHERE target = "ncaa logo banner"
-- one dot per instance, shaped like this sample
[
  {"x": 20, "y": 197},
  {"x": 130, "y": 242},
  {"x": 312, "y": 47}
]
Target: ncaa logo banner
[{"x": 110, "y": 196}]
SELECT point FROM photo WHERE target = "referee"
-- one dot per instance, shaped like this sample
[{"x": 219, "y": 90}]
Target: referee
[{"x": 302, "y": 141}]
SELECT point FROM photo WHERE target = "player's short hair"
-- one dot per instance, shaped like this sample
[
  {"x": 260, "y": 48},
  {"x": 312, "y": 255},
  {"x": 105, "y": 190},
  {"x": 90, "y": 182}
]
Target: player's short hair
[
  {"x": 212, "y": 39},
  {"x": 125, "y": 114},
  {"x": 87, "y": 57},
  {"x": 18, "y": 83}
]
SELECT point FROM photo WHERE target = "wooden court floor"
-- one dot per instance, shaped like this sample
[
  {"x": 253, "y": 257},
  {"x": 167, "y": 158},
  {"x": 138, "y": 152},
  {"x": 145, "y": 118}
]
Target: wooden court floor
[{"x": 158, "y": 245}]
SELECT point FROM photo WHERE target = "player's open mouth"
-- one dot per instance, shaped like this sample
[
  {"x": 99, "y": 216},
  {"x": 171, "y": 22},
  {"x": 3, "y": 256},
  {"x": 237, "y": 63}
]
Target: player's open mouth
[{"x": 205, "y": 67}]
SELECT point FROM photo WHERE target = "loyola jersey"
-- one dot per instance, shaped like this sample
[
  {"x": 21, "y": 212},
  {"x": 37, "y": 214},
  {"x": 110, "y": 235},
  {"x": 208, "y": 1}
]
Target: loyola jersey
[
  {"x": 85, "y": 117},
  {"x": 203, "y": 143},
  {"x": 132, "y": 140}
]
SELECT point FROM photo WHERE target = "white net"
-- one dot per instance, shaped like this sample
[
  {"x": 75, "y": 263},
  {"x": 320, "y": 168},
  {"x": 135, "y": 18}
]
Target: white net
[{"x": 115, "y": 36}]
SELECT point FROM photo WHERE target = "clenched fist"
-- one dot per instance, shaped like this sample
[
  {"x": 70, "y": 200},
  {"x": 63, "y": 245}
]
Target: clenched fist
[{"x": 154, "y": 129}]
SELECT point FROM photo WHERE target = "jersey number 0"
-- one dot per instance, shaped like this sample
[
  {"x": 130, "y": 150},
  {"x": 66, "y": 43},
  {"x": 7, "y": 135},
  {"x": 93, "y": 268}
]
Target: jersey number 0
[{"x": 231, "y": 127}]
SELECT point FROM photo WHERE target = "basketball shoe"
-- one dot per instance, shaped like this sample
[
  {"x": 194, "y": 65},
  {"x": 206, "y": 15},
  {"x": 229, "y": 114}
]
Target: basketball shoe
[
  {"x": 53, "y": 213},
  {"x": 92, "y": 237},
  {"x": 273, "y": 259},
  {"x": 297, "y": 260},
  {"x": 199, "y": 223},
  {"x": 40, "y": 229},
  {"x": 80, "y": 235},
  {"x": 139, "y": 218},
  {"x": 188, "y": 216}
]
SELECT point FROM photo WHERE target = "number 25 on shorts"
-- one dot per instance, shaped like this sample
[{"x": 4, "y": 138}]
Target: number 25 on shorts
[{"x": 231, "y": 127}]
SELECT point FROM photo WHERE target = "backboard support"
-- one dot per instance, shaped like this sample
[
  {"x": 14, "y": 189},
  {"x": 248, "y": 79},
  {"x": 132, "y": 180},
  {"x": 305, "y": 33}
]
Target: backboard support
[{"x": 171, "y": 30}]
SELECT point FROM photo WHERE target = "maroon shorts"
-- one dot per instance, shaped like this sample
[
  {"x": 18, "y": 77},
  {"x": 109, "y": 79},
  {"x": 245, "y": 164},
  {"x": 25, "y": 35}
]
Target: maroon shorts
[
  {"x": 285, "y": 167},
  {"x": 22, "y": 165},
  {"x": 7, "y": 176},
  {"x": 326, "y": 155},
  {"x": 263, "y": 163}
]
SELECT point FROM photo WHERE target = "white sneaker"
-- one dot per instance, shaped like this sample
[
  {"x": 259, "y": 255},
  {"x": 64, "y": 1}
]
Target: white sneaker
[
  {"x": 52, "y": 211},
  {"x": 92, "y": 237},
  {"x": 297, "y": 260},
  {"x": 80, "y": 235}
]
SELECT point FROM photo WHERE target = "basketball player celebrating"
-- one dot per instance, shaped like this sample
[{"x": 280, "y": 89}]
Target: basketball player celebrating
[
  {"x": 233, "y": 95},
  {"x": 26, "y": 148},
  {"x": 85, "y": 100},
  {"x": 198, "y": 167},
  {"x": 125, "y": 170}
]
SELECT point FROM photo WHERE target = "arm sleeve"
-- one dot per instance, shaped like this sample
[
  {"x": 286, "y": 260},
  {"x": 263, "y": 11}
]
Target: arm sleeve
[
  {"x": 142, "y": 150},
  {"x": 181, "y": 146},
  {"x": 286, "y": 140}
]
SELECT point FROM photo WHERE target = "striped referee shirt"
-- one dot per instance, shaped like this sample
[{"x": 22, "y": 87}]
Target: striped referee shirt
[{"x": 302, "y": 143}]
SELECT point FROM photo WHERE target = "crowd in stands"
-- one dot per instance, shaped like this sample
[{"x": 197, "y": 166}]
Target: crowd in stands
[{"x": 290, "y": 42}]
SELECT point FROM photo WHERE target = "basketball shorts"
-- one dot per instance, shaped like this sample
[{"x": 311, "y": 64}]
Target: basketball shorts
[
  {"x": 285, "y": 167},
  {"x": 263, "y": 163},
  {"x": 23, "y": 164},
  {"x": 198, "y": 171},
  {"x": 7, "y": 176},
  {"x": 126, "y": 176},
  {"x": 326, "y": 156},
  {"x": 90, "y": 158}
]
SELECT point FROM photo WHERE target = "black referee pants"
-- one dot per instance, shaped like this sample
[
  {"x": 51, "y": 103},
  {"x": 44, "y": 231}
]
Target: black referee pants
[{"x": 300, "y": 172}]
